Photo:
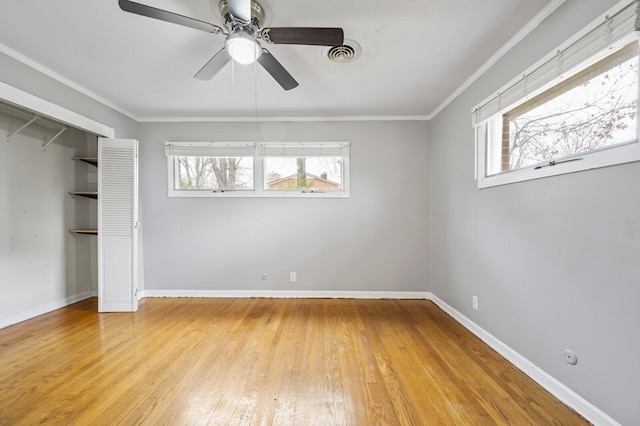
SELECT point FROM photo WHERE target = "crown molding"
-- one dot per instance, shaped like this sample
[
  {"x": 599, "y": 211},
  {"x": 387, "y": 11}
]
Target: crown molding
[
  {"x": 62, "y": 79},
  {"x": 283, "y": 119},
  {"x": 520, "y": 35}
]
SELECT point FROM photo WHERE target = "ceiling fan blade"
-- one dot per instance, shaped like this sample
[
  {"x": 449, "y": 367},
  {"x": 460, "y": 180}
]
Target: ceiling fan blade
[
  {"x": 163, "y": 15},
  {"x": 303, "y": 35},
  {"x": 240, "y": 9},
  {"x": 277, "y": 71},
  {"x": 214, "y": 65}
]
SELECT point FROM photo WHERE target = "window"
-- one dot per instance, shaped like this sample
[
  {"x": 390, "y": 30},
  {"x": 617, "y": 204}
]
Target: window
[
  {"x": 594, "y": 109},
  {"x": 204, "y": 168},
  {"x": 565, "y": 119},
  {"x": 213, "y": 173},
  {"x": 312, "y": 168},
  {"x": 268, "y": 169},
  {"x": 303, "y": 173}
]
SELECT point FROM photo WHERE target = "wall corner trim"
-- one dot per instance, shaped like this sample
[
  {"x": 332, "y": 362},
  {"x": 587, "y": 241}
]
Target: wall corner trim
[{"x": 551, "y": 384}]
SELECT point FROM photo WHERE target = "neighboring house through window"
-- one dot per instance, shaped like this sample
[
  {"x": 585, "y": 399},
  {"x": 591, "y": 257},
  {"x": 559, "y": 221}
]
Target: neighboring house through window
[{"x": 309, "y": 181}]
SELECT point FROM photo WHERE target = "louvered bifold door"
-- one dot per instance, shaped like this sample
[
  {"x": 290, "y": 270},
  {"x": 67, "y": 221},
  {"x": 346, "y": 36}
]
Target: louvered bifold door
[{"x": 117, "y": 225}]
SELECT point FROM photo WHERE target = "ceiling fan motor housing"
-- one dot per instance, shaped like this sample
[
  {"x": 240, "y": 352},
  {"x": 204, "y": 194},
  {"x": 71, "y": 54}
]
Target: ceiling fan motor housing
[{"x": 257, "y": 16}]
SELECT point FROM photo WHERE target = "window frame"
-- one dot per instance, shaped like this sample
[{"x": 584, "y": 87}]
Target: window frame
[
  {"x": 259, "y": 177},
  {"x": 491, "y": 129}
]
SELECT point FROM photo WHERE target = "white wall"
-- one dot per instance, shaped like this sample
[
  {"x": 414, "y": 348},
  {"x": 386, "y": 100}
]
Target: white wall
[
  {"x": 41, "y": 264},
  {"x": 374, "y": 241},
  {"x": 555, "y": 262}
]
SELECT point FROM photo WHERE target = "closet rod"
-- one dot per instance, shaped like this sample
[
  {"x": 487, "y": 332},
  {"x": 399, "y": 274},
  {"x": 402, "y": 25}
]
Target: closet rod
[
  {"x": 54, "y": 138},
  {"x": 22, "y": 128}
]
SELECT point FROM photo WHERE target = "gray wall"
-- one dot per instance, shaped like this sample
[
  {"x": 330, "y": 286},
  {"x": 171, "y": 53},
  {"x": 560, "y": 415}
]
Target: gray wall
[
  {"x": 555, "y": 262},
  {"x": 374, "y": 241},
  {"x": 41, "y": 264}
]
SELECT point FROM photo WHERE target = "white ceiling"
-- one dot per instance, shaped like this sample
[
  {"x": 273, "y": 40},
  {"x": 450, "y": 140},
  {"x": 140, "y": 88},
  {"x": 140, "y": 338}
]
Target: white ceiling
[{"x": 415, "y": 54}]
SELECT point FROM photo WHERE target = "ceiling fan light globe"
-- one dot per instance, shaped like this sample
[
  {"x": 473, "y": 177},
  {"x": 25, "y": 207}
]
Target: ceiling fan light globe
[{"x": 243, "y": 50}]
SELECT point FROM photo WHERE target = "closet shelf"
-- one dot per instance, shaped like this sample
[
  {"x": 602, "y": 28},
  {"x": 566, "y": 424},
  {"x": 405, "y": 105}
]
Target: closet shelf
[
  {"x": 84, "y": 231},
  {"x": 88, "y": 194},
  {"x": 90, "y": 160}
]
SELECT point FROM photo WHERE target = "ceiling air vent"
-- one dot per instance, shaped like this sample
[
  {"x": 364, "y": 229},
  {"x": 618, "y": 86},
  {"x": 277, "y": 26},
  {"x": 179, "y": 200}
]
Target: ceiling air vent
[{"x": 348, "y": 52}]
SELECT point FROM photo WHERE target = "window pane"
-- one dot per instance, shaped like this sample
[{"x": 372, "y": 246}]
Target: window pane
[
  {"x": 593, "y": 110},
  {"x": 320, "y": 174},
  {"x": 213, "y": 173}
]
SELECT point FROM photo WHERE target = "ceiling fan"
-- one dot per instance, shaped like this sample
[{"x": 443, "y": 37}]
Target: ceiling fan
[{"x": 243, "y": 20}]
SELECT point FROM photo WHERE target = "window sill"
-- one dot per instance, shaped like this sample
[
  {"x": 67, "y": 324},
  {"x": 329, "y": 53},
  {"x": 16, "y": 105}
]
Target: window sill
[
  {"x": 610, "y": 157},
  {"x": 257, "y": 194}
]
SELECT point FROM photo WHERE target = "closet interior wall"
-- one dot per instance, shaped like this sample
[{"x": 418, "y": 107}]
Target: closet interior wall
[{"x": 42, "y": 264}]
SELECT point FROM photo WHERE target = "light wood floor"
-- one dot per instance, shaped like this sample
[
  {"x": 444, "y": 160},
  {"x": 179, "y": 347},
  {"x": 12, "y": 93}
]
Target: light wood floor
[{"x": 262, "y": 361}]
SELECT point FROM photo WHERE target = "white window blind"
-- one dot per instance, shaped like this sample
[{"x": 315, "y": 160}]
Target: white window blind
[
  {"x": 325, "y": 149},
  {"x": 209, "y": 149},
  {"x": 613, "y": 29}
]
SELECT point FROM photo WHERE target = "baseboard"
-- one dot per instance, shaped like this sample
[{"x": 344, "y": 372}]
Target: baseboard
[
  {"x": 557, "y": 389},
  {"x": 32, "y": 313},
  {"x": 286, "y": 294}
]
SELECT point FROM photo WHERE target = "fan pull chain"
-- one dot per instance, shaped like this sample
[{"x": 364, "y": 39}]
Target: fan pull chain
[
  {"x": 233, "y": 76},
  {"x": 255, "y": 94}
]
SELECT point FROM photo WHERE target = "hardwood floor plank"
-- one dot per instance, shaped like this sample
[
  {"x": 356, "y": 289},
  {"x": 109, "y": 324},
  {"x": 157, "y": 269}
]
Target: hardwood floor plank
[{"x": 262, "y": 362}]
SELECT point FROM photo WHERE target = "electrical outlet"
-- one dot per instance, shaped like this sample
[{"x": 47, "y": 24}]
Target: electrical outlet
[
  {"x": 475, "y": 302},
  {"x": 570, "y": 357},
  {"x": 293, "y": 276}
]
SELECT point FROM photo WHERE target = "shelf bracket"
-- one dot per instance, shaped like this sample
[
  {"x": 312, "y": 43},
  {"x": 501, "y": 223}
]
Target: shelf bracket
[
  {"x": 21, "y": 128},
  {"x": 53, "y": 138}
]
